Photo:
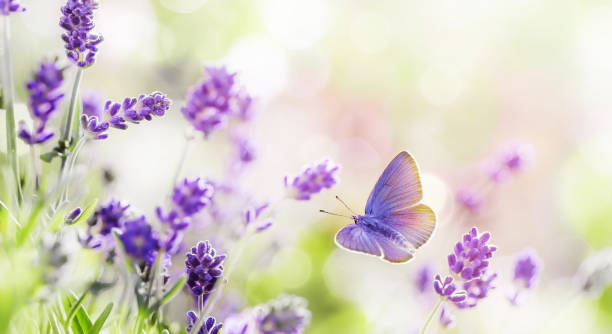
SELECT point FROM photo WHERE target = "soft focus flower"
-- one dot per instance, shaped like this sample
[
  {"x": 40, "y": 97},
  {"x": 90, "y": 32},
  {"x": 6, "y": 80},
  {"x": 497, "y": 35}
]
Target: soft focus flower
[
  {"x": 208, "y": 327},
  {"x": 286, "y": 314},
  {"x": 45, "y": 95},
  {"x": 244, "y": 149},
  {"x": 81, "y": 44},
  {"x": 469, "y": 200},
  {"x": 93, "y": 104},
  {"x": 511, "y": 160},
  {"x": 116, "y": 115},
  {"x": 471, "y": 254},
  {"x": 312, "y": 180},
  {"x": 595, "y": 273},
  {"x": 111, "y": 215},
  {"x": 10, "y": 6},
  {"x": 424, "y": 278},
  {"x": 251, "y": 218},
  {"x": 448, "y": 290},
  {"x": 477, "y": 289},
  {"x": 241, "y": 323},
  {"x": 210, "y": 103},
  {"x": 526, "y": 269},
  {"x": 191, "y": 196},
  {"x": 447, "y": 319},
  {"x": 204, "y": 267},
  {"x": 139, "y": 240}
]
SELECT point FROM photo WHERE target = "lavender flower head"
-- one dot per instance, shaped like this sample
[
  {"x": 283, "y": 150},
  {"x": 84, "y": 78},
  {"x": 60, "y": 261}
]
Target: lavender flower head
[
  {"x": 527, "y": 269},
  {"x": 424, "y": 279},
  {"x": 312, "y": 180},
  {"x": 209, "y": 326},
  {"x": 471, "y": 255},
  {"x": 140, "y": 241},
  {"x": 10, "y": 6},
  {"x": 477, "y": 289},
  {"x": 469, "y": 200},
  {"x": 45, "y": 95},
  {"x": 448, "y": 290},
  {"x": 204, "y": 267},
  {"x": 191, "y": 196},
  {"x": 81, "y": 43},
  {"x": 210, "y": 103},
  {"x": 241, "y": 323},
  {"x": 447, "y": 319},
  {"x": 117, "y": 115},
  {"x": 286, "y": 314},
  {"x": 112, "y": 215},
  {"x": 511, "y": 160}
]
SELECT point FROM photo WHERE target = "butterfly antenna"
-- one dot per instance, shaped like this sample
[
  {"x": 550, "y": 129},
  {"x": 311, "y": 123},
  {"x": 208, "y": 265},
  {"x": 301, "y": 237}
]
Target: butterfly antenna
[
  {"x": 335, "y": 214},
  {"x": 345, "y": 205}
]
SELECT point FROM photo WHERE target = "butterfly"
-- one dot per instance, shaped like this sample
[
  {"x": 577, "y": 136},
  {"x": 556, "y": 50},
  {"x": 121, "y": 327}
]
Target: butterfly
[{"x": 393, "y": 225}]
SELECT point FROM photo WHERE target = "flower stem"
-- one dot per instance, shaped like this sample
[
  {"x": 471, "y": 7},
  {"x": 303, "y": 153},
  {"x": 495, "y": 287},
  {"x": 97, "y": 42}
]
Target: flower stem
[
  {"x": 179, "y": 168},
  {"x": 431, "y": 315},
  {"x": 9, "y": 106},
  {"x": 69, "y": 125}
]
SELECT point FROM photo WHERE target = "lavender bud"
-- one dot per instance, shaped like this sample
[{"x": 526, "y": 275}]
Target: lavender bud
[
  {"x": 312, "y": 180},
  {"x": 81, "y": 44},
  {"x": 286, "y": 314},
  {"x": 10, "y": 6}
]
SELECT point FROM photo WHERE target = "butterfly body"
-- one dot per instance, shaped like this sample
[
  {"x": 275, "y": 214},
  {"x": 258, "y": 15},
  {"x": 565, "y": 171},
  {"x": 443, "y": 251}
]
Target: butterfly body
[{"x": 394, "y": 224}]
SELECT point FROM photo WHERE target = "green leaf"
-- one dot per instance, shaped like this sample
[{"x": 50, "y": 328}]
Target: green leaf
[
  {"x": 49, "y": 156},
  {"x": 97, "y": 326},
  {"x": 75, "y": 307},
  {"x": 176, "y": 288},
  {"x": 28, "y": 228},
  {"x": 86, "y": 213}
]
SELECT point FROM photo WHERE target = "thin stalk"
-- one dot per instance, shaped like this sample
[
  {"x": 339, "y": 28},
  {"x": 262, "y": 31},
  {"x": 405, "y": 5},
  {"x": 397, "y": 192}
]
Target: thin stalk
[
  {"x": 9, "y": 105},
  {"x": 179, "y": 168},
  {"x": 67, "y": 133},
  {"x": 35, "y": 168},
  {"x": 431, "y": 315}
]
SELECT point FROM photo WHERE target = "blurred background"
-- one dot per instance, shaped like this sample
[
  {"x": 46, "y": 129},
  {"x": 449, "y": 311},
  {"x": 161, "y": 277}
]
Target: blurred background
[{"x": 452, "y": 82}]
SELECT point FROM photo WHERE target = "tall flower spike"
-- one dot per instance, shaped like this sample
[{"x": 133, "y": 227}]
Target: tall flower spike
[
  {"x": 81, "y": 43},
  {"x": 204, "y": 267},
  {"x": 448, "y": 290},
  {"x": 286, "y": 314},
  {"x": 140, "y": 241},
  {"x": 116, "y": 115},
  {"x": 210, "y": 103},
  {"x": 10, "y": 6},
  {"x": 45, "y": 96},
  {"x": 209, "y": 326},
  {"x": 312, "y": 180},
  {"x": 477, "y": 289},
  {"x": 471, "y": 255}
]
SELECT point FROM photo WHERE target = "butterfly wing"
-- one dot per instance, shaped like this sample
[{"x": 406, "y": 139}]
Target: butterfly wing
[
  {"x": 356, "y": 238},
  {"x": 398, "y": 187},
  {"x": 415, "y": 223}
]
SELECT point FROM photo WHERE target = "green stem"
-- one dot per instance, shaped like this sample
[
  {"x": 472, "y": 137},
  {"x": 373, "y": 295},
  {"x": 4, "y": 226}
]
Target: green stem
[
  {"x": 9, "y": 103},
  {"x": 431, "y": 315},
  {"x": 179, "y": 168},
  {"x": 68, "y": 126}
]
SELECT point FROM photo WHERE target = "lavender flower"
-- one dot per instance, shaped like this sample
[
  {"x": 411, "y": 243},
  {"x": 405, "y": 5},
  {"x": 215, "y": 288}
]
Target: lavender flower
[
  {"x": 81, "y": 44},
  {"x": 74, "y": 214},
  {"x": 204, "y": 267},
  {"x": 526, "y": 269},
  {"x": 312, "y": 180},
  {"x": 477, "y": 289},
  {"x": 511, "y": 160},
  {"x": 469, "y": 200},
  {"x": 191, "y": 196},
  {"x": 93, "y": 104},
  {"x": 251, "y": 218},
  {"x": 447, "y": 319},
  {"x": 470, "y": 257},
  {"x": 210, "y": 103},
  {"x": 239, "y": 324},
  {"x": 245, "y": 151},
  {"x": 140, "y": 241},
  {"x": 112, "y": 215},
  {"x": 424, "y": 279},
  {"x": 286, "y": 314},
  {"x": 10, "y": 6},
  {"x": 448, "y": 290},
  {"x": 45, "y": 95},
  {"x": 116, "y": 115},
  {"x": 209, "y": 326}
]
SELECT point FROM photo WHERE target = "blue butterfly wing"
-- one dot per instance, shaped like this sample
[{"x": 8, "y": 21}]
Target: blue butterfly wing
[
  {"x": 416, "y": 223},
  {"x": 356, "y": 238},
  {"x": 398, "y": 187}
]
